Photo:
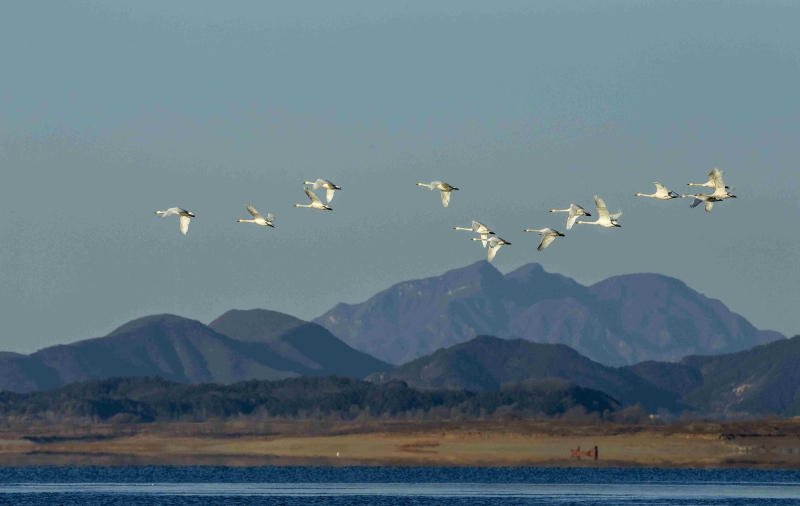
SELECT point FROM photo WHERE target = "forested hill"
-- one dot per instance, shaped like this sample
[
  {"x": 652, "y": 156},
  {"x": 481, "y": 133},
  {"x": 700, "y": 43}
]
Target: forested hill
[{"x": 155, "y": 399}]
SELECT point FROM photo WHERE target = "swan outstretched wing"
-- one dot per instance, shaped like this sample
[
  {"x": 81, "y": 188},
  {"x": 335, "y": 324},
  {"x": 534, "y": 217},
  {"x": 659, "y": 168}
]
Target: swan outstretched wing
[
  {"x": 709, "y": 205},
  {"x": 615, "y": 216},
  {"x": 311, "y": 196},
  {"x": 602, "y": 210},
  {"x": 317, "y": 184},
  {"x": 492, "y": 252},
  {"x": 546, "y": 240},
  {"x": 270, "y": 217},
  {"x": 572, "y": 216},
  {"x": 252, "y": 210},
  {"x": 185, "y": 224},
  {"x": 171, "y": 211},
  {"x": 661, "y": 190},
  {"x": 445, "y": 197},
  {"x": 484, "y": 239},
  {"x": 715, "y": 176},
  {"x": 329, "y": 194},
  {"x": 696, "y": 203}
]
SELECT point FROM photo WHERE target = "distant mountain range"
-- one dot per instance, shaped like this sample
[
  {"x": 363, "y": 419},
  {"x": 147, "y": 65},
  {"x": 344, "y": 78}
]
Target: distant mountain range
[
  {"x": 622, "y": 320},
  {"x": 764, "y": 380},
  {"x": 262, "y": 344},
  {"x": 640, "y": 338}
]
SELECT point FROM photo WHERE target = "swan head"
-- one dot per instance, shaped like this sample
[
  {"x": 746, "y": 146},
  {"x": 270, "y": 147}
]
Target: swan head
[
  {"x": 327, "y": 208},
  {"x": 561, "y": 235},
  {"x": 616, "y": 224},
  {"x": 337, "y": 187},
  {"x": 639, "y": 195},
  {"x": 191, "y": 214}
]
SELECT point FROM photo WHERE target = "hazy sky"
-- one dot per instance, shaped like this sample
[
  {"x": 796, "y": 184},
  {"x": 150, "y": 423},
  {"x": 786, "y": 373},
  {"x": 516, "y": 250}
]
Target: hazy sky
[{"x": 112, "y": 110}]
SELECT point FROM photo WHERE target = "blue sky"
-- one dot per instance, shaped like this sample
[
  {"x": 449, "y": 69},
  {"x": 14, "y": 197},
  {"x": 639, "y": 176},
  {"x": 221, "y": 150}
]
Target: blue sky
[{"x": 111, "y": 110}]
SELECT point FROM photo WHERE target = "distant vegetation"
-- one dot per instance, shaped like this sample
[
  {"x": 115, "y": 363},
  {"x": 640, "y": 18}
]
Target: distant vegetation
[{"x": 159, "y": 400}]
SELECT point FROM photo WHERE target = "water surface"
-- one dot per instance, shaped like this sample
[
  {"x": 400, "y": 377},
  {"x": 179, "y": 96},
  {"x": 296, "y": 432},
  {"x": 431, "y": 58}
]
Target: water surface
[{"x": 88, "y": 486}]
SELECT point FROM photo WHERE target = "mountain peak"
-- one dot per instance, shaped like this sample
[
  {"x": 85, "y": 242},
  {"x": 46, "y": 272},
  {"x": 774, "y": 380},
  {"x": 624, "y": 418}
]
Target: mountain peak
[
  {"x": 146, "y": 321},
  {"x": 621, "y": 320},
  {"x": 254, "y": 325}
]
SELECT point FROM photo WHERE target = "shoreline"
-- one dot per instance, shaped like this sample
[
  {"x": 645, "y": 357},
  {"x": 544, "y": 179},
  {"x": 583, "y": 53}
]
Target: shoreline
[{"x": 517, "y": 443}]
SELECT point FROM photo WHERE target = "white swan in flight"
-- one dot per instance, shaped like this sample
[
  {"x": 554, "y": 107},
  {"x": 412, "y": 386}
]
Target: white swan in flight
[
  {"x": 661, "y": 193},
  {"x": 444, "y": 188},
  {"x": 315, "y": 202},
  {"x": 707, "y": 198},
  {"x": 257, "y": 218},
  {"x": 324, "y": 183},
  {"x": 721, "y": 191},
  {"x": 603, "y": 218},
  {"x": 478, "y": 228},
  {"x": 714, "y": 180},
  {"x": 184, "y": 214},
  {"x": 494, "y": 245},
  {"x": 574, "y": 211},
  {"x": 548, "y": 236}
]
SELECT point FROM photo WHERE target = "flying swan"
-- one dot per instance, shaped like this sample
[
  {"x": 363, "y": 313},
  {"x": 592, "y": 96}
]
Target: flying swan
[
  {"x": 708, "y": 198},
  {"x": 257, "y": 218},
  {"x": 324, "y": 183},
  {"x": 661, "y": 193},
  {"x": 603, "y": 218},
  {"x": 548, "y": 236},
  {"x": 184, "y": 214},
  {"x": 714, "y": 179},
  {"x": 315, "y": 202},
  {"x": 494, "y": 245},
  {"x": 478, "y": 228},
  {"x": 444, "y": 188},
  {"x": 574, "y": 211}
]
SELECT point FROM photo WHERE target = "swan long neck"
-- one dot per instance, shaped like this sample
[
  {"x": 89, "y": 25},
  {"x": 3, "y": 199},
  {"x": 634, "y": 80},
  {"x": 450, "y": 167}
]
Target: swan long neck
[
  {"x": 559, "y": 210},
  {"x": 462, "y": 228}
]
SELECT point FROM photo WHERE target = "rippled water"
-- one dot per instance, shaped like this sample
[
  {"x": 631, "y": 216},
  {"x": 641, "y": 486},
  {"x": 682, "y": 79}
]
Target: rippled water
[{"x": 88, "y": 486}]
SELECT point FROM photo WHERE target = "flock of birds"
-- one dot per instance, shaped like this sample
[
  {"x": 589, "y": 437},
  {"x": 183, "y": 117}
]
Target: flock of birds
[{"x": 604, "y": 218}]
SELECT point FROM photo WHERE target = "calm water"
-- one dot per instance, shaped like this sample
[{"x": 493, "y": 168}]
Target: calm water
[{"x": 88, "y": 486}]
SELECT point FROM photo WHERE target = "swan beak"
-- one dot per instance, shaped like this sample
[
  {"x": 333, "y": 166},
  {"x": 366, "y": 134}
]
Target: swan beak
[
  {"x": 617, "y": 225},
  {"x": 337, "y": 187},
  {"x": 191, "y": 214},
  {"x": 587, "y": 214},
  {"x": 561, "y": 235},
  {"x": 455, "y": 188},
  {"x": 508, "y": 244}
]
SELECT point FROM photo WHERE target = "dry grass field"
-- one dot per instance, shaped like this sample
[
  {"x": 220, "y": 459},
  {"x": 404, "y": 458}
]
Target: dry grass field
[{"x": 766, "y": 444}]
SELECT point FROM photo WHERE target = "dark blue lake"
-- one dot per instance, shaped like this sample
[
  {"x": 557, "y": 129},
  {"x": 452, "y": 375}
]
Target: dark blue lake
[{"x": 88, "y": 486}]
